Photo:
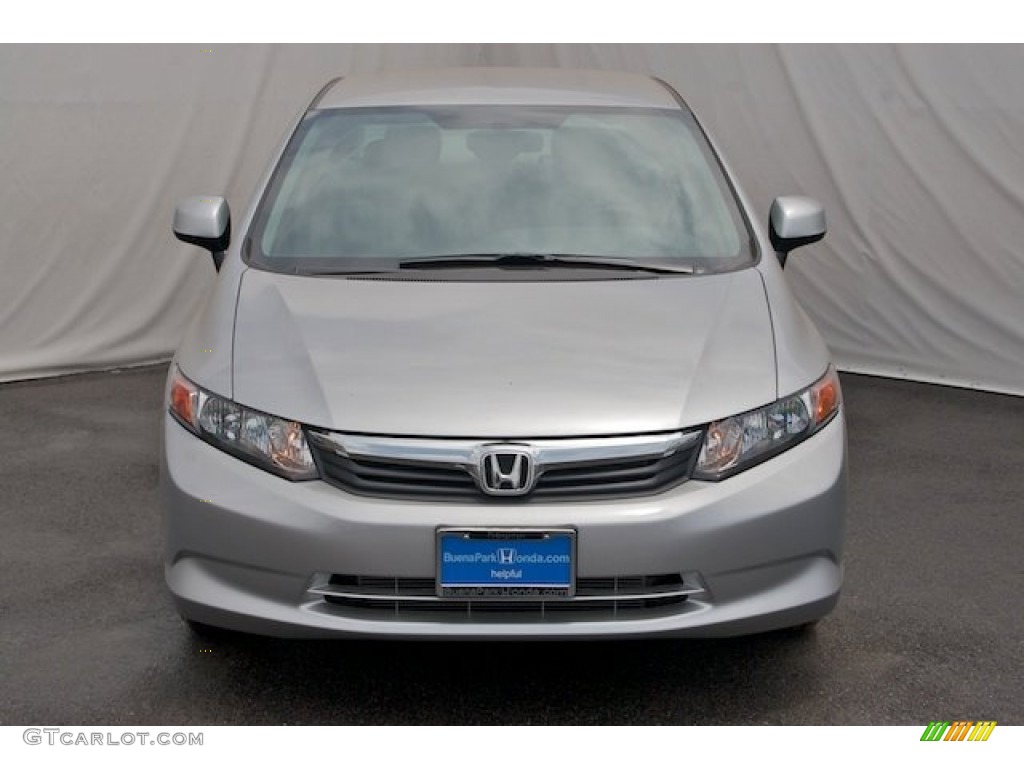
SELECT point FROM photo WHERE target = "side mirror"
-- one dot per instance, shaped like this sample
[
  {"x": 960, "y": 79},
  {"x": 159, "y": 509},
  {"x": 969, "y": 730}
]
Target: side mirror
[
  {"x": 206, "y": 222},
  {"x": 795, "y": 221}
]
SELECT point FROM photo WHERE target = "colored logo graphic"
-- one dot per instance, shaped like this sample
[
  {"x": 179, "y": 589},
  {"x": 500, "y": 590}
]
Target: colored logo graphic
[{"x": 958, "y": 730}]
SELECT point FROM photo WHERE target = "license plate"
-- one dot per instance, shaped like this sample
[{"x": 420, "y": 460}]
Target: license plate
[{"x": 506, "y": 563}]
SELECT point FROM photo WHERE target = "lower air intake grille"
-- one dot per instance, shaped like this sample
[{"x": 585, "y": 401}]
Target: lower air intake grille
[{"x": 601, "y": 598}]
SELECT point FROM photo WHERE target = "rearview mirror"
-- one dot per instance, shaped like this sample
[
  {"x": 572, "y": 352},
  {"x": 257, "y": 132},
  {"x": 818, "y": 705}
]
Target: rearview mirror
[
  {"x": 206, "y": 222},
  {"x": 795, "y": 221}
]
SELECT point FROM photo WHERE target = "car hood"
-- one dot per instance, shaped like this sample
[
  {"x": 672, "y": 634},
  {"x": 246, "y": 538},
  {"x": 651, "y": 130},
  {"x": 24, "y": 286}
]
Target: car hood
[{"x": 503, "y": 359}]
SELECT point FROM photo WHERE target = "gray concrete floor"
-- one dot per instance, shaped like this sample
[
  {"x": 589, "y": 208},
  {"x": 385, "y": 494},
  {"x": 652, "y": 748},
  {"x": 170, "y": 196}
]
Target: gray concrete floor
[{"x": 929, "y": 626}]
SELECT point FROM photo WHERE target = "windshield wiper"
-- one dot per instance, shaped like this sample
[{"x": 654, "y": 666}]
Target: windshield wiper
[{"x": 541, "y": 260}]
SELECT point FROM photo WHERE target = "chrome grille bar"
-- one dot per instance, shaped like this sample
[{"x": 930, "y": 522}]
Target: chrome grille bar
[{"x": 465, "y": 454}]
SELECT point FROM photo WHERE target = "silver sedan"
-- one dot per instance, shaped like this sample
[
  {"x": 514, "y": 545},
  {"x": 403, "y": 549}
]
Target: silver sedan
[{"x": 502, "y": 353}]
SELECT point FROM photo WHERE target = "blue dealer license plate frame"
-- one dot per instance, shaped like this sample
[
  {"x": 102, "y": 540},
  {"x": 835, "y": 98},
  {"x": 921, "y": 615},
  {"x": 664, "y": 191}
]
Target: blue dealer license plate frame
[{"x": 506, "y": 563}]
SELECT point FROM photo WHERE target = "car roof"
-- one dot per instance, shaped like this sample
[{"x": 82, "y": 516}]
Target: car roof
[{"x": 497, "y": 85}]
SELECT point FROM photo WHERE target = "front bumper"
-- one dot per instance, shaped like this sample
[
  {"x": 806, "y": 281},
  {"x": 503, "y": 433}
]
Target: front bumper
[{"x": 247, "y": 550}]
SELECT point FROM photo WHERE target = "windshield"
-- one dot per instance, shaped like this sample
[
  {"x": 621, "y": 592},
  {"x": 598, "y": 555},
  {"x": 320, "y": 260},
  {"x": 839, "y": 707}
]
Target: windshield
[{"x": 367, "y": 189}]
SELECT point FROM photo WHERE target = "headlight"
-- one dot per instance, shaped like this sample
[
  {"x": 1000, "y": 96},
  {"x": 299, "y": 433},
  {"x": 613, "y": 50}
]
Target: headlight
[
  {"x": 739, "y": 442},
  {"x": 270, "y": 443}
]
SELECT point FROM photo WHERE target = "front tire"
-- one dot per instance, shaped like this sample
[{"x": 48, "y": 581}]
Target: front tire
[{"x": 206, "y": 632}]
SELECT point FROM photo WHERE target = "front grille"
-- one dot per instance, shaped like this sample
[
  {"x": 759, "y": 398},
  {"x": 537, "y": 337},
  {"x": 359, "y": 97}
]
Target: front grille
[
  {"x": 445, "y": 469},
  {"x": 601, "y": 598},
  {"x": 369, "y": 477},
  {"x": 633, "y": 477}
]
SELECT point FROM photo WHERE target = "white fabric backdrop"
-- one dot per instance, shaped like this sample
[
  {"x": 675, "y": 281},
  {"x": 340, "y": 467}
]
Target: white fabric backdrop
[{"x": 917, "y": 152}]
